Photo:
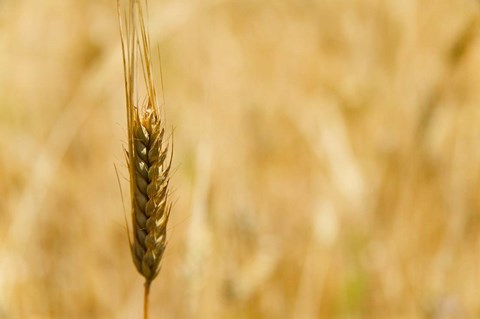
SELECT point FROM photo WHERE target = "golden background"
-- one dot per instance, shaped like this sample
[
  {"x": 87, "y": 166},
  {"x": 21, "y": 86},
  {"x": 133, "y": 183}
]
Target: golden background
[{"x": 327, "y": 157}]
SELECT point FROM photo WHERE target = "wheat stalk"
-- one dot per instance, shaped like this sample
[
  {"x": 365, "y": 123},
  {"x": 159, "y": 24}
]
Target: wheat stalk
[{"x": 149, "y": 156}]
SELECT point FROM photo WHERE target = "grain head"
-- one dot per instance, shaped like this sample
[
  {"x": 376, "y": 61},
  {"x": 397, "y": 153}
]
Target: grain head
[{"x": 149, "y": 153}]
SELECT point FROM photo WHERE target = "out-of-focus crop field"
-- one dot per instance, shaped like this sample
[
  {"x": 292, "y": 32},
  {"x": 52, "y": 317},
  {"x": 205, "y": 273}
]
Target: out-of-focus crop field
[{"x": 327, "y": 160}]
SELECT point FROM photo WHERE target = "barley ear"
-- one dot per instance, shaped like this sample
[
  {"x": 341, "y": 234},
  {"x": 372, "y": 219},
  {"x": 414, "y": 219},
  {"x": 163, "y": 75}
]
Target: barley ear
[{"x": 149, "y": 154}]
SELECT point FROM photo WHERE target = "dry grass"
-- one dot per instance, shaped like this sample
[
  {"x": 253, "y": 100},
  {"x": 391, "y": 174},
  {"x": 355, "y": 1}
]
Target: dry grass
[{"x": 327, "y": 155}]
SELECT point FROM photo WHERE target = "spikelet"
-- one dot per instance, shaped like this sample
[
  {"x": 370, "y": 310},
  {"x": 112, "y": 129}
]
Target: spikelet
[{"x": 149, "y": 154}]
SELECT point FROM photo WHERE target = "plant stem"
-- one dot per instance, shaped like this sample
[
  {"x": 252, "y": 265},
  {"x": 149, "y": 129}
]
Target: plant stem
[{"x": 145, "y": 299}]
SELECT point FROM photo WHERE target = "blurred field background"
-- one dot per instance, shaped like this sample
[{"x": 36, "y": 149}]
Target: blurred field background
[{"x": 327, "y": 160}]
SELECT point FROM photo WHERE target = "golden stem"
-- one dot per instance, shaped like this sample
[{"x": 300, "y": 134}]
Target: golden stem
[{"x": 145, "y": 299}]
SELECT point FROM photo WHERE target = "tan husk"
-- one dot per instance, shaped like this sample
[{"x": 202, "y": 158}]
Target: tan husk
[{"x": 150, "y": 210}]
